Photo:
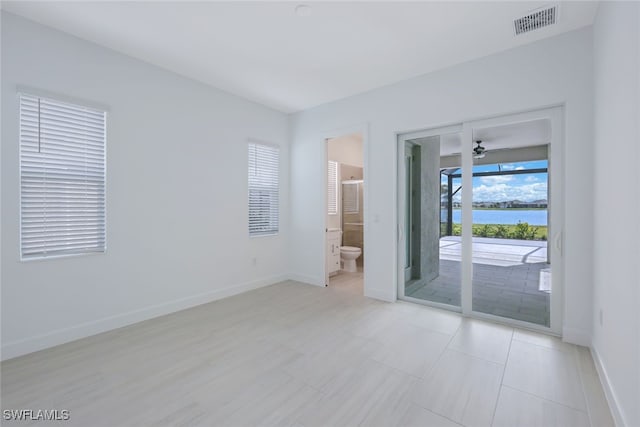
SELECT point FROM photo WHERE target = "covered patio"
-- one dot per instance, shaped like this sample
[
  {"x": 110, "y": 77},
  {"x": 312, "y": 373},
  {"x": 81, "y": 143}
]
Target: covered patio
[{"x": 511, "y": 278}]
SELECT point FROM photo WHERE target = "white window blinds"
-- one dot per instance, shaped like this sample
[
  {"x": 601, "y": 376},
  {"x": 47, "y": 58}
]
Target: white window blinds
[
  {"x": 263, "y": 189},
  {"x": 62, "y": 178},
  {"x": 350, "y": 197},
  {"x": 332, "y": 188}
]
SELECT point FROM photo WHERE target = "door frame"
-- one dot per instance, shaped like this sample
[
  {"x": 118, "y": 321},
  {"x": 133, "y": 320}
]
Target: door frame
[
  {"x": 402, "y": 140},
  {"x": 362, "y": 129},
  {"x": 556, "y": 210},
  {"x": 409, "y": 242}
]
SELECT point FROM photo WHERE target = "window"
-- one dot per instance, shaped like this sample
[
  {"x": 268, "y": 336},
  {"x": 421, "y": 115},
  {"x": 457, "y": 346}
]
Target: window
[
  {"x": 350, "y": 197},
  {"x": 263, "y": 189},
  {"x": 62, "y": 178},
  {"x": 332, "y": 188}
]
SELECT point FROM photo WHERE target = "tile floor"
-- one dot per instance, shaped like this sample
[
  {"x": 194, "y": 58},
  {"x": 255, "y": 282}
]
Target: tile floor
[
  {"x": 299, "y": 355},
  {"x": 511, "y": 278}
]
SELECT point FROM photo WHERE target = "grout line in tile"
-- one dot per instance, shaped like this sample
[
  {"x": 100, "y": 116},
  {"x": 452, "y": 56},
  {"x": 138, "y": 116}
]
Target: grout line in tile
[
  {"x": 504, "y": 369},
  {"x": 446, "y": 347},
  {"x": 540, "y": 345},
  {"x": 478, "y": 357},
  {"x": 440, "y": 415},
  {"x": 576, "y": 361},
  {"x": 545, "y": 399}
]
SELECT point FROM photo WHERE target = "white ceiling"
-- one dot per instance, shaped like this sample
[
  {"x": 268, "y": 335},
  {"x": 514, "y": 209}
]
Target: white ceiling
[
  {"x": 518, "y": 135},
  {"x": 266, "y": 53}
]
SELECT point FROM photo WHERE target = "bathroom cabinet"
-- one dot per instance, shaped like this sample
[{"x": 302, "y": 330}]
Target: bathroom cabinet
[{"x": 333, "y": 250}]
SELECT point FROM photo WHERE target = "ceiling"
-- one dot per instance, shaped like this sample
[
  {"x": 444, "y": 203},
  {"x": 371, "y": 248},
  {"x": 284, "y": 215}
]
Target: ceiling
[
  {"x": 265, "y": 52},
  {"x": 517, "y": 135}
]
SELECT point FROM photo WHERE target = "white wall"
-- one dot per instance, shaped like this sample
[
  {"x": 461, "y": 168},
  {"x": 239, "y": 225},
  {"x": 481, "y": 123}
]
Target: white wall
[
  {"x": 176, "y": 194},
  {"x": 550, "y": 72},
  {"x": 616, "y": 342}
]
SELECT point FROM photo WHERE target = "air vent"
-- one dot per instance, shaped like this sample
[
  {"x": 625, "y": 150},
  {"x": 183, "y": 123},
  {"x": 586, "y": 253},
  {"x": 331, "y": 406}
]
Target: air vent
[{"x": 538, "y": 19}]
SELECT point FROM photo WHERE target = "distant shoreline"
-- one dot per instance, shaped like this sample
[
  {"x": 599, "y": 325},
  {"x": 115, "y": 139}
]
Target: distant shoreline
[
  {"x": 533, "y": 216},
  {"x": 507, "y": 209}
]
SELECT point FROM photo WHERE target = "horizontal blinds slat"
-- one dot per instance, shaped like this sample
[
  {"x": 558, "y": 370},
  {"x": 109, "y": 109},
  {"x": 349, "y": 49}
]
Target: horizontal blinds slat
[
  {"x": 64, "y": 179},
  {"x": 62, "y": 146},
  {"x": 62, "y": 165},
  {"x": 72, "y": 141},
  {"x": 55, "y": 105},
  {"x": 64, "y": 229},
  {"x": 70, "y": 249},
  {"x": 91, "y": 201},
  {"x": 73, "y": 154},
  {"x": 51, "y": 169},
  {"x": 263, "y": 180},
  {"x": 84, "y": 125},
  {"x": 30, "y": 140},
  {"x": 33, "y": 238}
]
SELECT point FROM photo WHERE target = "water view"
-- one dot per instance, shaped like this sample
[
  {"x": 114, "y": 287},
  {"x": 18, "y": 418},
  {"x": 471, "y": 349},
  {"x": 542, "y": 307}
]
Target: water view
[{"x": 505, "y": 216}]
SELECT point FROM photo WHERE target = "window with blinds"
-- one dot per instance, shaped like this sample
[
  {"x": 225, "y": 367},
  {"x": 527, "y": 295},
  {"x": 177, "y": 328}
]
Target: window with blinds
[
  {"x": 62, "y": 178},
  {"x": 332, "y": 188},
  {"x": 350, "y": 198},
  {"x": 264, "y": 204}
]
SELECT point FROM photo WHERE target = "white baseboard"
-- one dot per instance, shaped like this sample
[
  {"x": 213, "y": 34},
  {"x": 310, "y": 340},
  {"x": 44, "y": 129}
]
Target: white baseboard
[
  {"x": 576, "y": 336},
  {"x": 62, "y": 336},
  {"x": 376, "y": 294},
  {"x": 616, "y": 412},
  {"x": 306, "y": 279}
]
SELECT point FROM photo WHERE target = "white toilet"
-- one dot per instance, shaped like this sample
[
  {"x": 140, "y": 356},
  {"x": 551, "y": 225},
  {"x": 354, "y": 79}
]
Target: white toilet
[{"x": 348, "y": 256}]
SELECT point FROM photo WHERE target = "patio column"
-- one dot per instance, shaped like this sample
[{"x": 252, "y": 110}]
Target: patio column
[
  {"x": 449, "y": 205},
  {"x": 430, "y": 213}
]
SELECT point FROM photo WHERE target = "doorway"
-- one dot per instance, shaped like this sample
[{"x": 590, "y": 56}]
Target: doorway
[
  {"x": 345, "y": 189},
  {"x": 488, "y": 217}
]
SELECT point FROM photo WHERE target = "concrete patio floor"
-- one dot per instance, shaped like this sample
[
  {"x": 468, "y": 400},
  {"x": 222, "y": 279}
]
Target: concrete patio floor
[{"x": 511, "y": 278}]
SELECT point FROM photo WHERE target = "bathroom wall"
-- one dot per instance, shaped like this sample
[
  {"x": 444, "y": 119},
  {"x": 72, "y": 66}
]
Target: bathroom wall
[
  {"x": 347, "y": 151},
  {"x": 352, "y": 224},
  {"x": 350, "y": 172}
]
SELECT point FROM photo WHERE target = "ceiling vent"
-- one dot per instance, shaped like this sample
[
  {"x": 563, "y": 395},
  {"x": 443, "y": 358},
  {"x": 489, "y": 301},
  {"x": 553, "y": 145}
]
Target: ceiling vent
[{"x": 535, "y": 20}]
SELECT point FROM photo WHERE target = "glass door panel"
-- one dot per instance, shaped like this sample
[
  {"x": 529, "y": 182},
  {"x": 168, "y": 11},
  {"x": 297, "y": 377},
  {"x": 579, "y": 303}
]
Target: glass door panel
[
  {"x": 433, "y": 246},
  {"x": 511, "y": 268}
]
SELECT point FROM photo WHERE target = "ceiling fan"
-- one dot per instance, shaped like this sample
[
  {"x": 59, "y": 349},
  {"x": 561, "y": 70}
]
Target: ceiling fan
[{"x": 479, "y": 151}]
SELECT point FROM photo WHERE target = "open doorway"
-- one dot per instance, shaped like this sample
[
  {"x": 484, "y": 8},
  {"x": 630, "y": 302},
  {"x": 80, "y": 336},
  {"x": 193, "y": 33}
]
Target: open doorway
[{"x": 345, "y": 213}]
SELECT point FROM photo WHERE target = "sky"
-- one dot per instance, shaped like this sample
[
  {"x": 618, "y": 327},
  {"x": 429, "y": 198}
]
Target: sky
[{"x": 502, "y": 188}]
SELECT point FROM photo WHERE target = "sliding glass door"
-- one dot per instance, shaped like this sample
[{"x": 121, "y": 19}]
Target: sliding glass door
[
  {"x": 479, "y": 229},
  {"x": 432, "y": 257}
]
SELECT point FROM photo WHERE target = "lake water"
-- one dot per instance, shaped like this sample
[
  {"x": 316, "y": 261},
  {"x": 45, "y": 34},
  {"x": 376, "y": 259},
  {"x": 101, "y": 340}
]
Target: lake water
[{"x": 505, "y": 216}]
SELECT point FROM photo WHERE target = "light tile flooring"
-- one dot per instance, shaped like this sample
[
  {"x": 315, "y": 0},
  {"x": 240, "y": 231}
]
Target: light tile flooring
[
  {"x": 348, "y": 282},
  {"x": 299, "y": 355},
  {"x": 511, "y": 278}
]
